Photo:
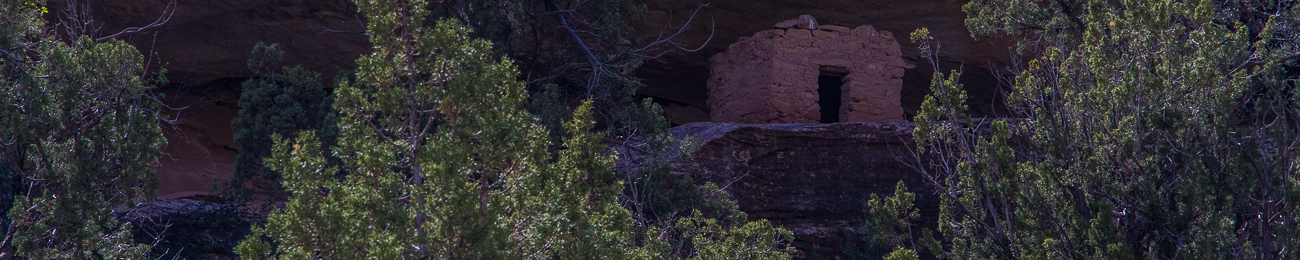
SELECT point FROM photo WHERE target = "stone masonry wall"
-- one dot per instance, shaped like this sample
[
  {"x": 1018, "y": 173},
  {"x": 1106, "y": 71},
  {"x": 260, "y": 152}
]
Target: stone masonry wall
[{"x": 772, "y": 76}]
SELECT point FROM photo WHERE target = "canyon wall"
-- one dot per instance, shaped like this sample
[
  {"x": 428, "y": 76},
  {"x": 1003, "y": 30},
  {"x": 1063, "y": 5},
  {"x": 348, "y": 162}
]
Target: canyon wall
[
  {"x": 811, "y": 178},
  {"x": 204, "y": 41},
  {"x": 210, "y": 40}
]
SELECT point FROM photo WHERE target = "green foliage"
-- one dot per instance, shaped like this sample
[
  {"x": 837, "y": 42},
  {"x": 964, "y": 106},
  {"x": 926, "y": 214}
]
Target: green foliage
[
  {"x": 753, "y": 240},
  {"x": 585, "y": 46},
  {"x": 79, "y": 131},
  {"x": 274, "y": 103},
  {"x": 424, "y": 154},
  {"x": 443, "y": 162},
  {"x": 582, "y": 49},
  {"x": 514, "y": 25},
  {"x": 1150, "y": 130},
  {"x": 888, "y": 228},
  {"x": 657, "y": 195},
  {"x": 901, "y": 254},
  {"x": 552, "y": 110},
  {"x": 660, "y": 197},
  {"x": 589, "y": 50},
  {"x": 265, "y": 58},
  {"x": 890, "y": 216}
]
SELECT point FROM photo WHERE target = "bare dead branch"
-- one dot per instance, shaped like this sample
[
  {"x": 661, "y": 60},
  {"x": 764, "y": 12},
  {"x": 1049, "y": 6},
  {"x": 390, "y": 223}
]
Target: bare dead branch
[
  {"x": 11, "y": 56},
  {"x": 664, "y": 43},
  {"x": 654, "y": 47},
  {"x": 166, "y": 15},
  {"x": 343, "y": 6}
]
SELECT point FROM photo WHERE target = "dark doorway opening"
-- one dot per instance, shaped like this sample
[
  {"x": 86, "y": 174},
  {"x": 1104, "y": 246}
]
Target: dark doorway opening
[{"x": 829, "y": 89}]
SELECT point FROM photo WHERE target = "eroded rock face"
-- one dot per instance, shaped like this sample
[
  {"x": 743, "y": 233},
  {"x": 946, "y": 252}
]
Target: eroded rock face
[
  {"x": 209, "y": 40},
  {"x": 201, "y": 149},
  {"x": 772, "y": 77},
  {"x": 813, "y": 179}
]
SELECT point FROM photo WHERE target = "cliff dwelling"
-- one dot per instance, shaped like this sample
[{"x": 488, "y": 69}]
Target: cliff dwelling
[{"x": 802, "y": 72}]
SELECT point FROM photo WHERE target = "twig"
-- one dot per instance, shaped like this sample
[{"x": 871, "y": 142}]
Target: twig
[{"x": 168, "y": 11}]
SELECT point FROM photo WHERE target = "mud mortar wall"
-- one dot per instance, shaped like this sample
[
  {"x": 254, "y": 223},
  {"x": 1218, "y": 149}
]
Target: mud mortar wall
[{"x": 772, "y": 76}]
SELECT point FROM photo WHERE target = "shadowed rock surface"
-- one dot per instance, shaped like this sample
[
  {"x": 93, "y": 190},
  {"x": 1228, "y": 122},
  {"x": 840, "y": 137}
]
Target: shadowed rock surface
[
  {"x": 210, "y": 40},
  {"x": 189, "y": 229},
  {"x": 813, "y": 179}
]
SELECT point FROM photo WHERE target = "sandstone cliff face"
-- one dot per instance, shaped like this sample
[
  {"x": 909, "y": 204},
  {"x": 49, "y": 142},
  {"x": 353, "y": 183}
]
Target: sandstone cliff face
[
  {"x": 209, "y": 40},
  {"x": 200, "y": 151},
  {"x": 773, "y": 77},
  {"x": 681, "y": 79},
  {"x": 813, "y": 179}
]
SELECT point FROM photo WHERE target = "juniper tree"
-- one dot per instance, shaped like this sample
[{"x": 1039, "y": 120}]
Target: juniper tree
[
  {"x": 1148, "y": 129},
  {"x": 78, "y": 130},
  {"x": 282, "y": 102},
  {"x": 583, "y": 49},
  {"x": 442, "y": 162},
  {"x": 572, "y": 50}
]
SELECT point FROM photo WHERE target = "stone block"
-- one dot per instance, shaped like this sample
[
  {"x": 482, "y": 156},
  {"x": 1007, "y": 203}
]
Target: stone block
[
  {"x": 866, "y": 31},
  {"x": 798, "y": 33},
  {"x": 787, "y": 24},
  {"x": 835, "y": 28},
  {"x": 768, "y": 34},
  {"x": 806, "y": 22},
  {"x": 887, "y": 34}
]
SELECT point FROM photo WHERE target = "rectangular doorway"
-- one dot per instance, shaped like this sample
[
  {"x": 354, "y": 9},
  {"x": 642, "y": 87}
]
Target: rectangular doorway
[{"x": 829, "y": 90}]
